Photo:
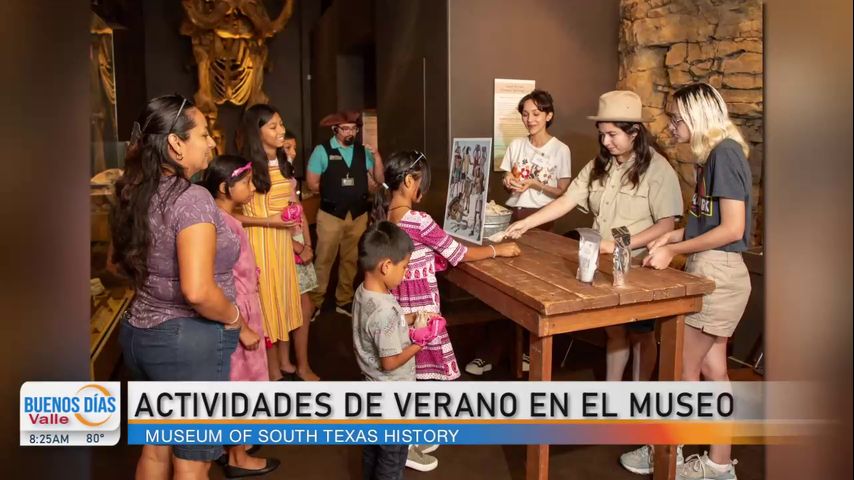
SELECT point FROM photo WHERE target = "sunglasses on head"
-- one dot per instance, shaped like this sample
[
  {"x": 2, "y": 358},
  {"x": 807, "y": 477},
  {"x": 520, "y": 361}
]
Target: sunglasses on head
[
  {"x": 417, "y": 159},
  {"x": 178, "y": 115}
]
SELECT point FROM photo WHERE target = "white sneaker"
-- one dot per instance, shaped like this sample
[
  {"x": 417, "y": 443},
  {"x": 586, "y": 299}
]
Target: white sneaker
[
  {"x": 641, "y": 460},
  {"x": 526, "y": 362},
  {"x": 420, "y": 461},
  {"x": 700, "y": 468},
  {"x": 427, "y": 448},
  {"x": 478, "y": 366}
]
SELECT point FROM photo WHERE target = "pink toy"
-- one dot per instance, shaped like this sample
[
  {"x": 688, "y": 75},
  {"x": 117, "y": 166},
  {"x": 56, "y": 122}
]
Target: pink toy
[
  {"x": 422, "y": 336},
  {"x": 292, "y": 213}
]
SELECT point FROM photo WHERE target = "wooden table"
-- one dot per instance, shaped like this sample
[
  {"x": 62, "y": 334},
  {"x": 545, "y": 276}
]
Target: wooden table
[{"x": 538, "y": 291}]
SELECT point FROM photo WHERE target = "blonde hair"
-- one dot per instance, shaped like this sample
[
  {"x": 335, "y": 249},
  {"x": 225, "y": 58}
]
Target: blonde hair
[{"x": 705, "y": 114}]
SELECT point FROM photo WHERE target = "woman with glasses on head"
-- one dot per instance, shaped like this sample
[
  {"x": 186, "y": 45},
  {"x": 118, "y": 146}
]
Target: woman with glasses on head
[
  {"x": 262, "y": 141},
  {"x": 170, "y": 240},
  {"x": 629, "y": 184}
]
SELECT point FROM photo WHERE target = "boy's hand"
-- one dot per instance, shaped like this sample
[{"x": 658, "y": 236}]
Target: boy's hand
[
  {"x": 420, "y": 336},
  {"x": 424, "y": 335}
]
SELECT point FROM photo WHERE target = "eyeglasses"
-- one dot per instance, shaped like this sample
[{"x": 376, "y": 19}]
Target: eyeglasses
[
  {"x": 178, "y": 115},
  {"x": 348, "y": 129},
  {"x": 675, "y": 121}
]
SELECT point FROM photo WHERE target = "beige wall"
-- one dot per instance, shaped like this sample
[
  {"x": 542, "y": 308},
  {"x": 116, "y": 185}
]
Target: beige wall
[
  {"x": 412, "y": 86},
  {"x": 568, "y": 46}
]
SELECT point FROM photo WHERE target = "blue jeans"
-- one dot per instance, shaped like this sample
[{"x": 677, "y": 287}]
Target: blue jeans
[
  {"x": 181, "y": 349},
  {"x": 384, "y": 462}
]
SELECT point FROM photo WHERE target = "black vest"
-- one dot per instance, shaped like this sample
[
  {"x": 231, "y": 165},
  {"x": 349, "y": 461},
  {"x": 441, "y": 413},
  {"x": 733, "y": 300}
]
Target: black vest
[{"x": 336, "y": 199}]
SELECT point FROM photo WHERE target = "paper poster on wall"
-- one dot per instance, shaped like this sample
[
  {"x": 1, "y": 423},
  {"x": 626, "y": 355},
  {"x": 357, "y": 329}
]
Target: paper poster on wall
[
  {"x": 369, "y": 128},
  {"x": 508, "y": 124},
  {"x": 467, "y": 185}
]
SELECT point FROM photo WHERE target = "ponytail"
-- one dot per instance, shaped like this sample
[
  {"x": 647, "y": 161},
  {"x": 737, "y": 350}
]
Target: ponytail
[{"x": 380, "y": 203}]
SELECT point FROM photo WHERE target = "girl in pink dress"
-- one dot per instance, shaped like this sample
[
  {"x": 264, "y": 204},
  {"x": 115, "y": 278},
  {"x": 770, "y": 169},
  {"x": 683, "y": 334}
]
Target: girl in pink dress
[
  {"x": 407, "y": 178},
  {"x": 229, "y": 179}
]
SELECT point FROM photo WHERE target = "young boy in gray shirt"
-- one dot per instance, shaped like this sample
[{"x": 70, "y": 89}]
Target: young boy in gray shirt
[{"x": 380, "y": 332}]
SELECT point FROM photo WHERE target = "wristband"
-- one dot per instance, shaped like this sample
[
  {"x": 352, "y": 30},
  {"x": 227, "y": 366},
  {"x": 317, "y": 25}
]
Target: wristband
[{"x": 493, "y": 250}]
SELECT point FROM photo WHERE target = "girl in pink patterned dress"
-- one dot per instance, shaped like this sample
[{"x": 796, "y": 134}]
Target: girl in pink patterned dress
[
  {"x": 407, "y": 178},
  {"x": 229, "y": 179}
]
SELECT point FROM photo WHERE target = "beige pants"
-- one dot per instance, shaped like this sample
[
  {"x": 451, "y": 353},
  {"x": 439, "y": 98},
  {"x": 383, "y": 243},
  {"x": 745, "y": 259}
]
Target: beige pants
[
  {"x": 723, "y": 308},
  {"x": 337, "y": 237}
]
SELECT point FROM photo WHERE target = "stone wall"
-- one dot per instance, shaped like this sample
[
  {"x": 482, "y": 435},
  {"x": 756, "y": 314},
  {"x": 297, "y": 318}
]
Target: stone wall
[{"x": 665, "y": 44}]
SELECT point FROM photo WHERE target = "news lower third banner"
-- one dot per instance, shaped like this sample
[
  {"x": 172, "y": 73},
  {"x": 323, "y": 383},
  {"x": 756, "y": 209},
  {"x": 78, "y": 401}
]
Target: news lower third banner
[{"x": 456, "y": 413}]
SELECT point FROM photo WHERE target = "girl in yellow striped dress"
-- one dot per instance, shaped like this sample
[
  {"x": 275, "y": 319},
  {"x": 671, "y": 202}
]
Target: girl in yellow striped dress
[{"x": 261, "y": 139}]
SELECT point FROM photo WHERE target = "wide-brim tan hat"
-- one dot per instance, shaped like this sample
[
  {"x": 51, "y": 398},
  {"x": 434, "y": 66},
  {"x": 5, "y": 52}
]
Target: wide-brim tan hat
[{"x": 620, "y": 106}]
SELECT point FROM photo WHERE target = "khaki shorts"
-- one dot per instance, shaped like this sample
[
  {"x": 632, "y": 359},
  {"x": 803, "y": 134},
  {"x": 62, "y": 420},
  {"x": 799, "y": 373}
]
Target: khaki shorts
[{"x": 723, "y": 308}]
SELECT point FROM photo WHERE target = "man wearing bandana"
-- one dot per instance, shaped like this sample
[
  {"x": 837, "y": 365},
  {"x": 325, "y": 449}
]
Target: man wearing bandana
[{"x": 343, "y": 171}]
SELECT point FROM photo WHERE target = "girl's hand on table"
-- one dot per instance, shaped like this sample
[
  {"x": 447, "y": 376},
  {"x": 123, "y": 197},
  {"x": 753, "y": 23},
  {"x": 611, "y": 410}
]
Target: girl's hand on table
[
  {"x": 659, "y": 258},
  {"x": 661, "y": 241},
  {"x": 509, "y": 249},
  {"x": 516, "y": 229}
]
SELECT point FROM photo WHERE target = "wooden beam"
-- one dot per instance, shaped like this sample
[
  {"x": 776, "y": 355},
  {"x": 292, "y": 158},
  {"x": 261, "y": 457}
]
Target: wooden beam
[
  {"x": 672, "y": 331},
  {"x": 530, "y": 290},
  {"x": 620, "y": 315},
  {"x": 510, "y": 307},
  {"x": 541, "y": 369},
  {"x": 518, "y": 351}
]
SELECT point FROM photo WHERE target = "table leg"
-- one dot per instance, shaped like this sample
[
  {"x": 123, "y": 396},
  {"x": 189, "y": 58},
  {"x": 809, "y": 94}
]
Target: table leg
[
  {"x": 669, "y": 368},
  {"x": 518, "y": 350},
  {"x": 541, "y": 369}
]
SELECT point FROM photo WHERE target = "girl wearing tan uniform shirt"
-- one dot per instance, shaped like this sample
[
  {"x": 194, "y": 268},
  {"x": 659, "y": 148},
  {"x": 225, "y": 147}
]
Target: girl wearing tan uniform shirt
[{"x": 628, "y": 184}]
